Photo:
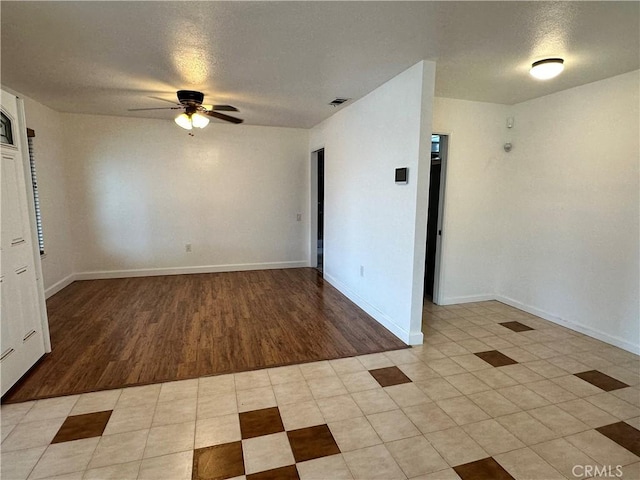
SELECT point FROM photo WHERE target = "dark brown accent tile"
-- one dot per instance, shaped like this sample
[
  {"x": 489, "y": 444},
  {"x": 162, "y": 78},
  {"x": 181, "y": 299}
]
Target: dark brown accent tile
[
  {"x": 495, "y": 358},
  {"x": 290, "y": 472},
  {"x": 260, "y": 422},
  {"x": 600, "y": 380},
  {"x": 624, "y": 435},
  {"x": 312, "y": 442},
  {"x": 77, "y": 427},
  {"x": 516, "y": 326},
  {"x": 485, "y": 469},
  {"x": 389, "y": 376},
  {"x": 218, "y": 462}
]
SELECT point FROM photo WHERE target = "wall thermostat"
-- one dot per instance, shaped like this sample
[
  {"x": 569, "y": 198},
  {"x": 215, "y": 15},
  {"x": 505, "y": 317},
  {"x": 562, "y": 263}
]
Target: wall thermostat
[{"x": 402, "y": 176}]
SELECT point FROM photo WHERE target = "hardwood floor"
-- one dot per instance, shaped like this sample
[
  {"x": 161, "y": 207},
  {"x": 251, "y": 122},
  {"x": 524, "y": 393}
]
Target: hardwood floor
[{"x": 122, "y": 332}]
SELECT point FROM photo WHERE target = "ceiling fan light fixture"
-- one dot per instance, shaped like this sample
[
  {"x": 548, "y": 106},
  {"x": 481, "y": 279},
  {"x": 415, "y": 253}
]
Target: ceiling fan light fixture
[
  {"x": 547, "y": 68},
  {"x": 194, "y": 112},
  {"x": 199, "y": 121},
  {"x": 184, "y": 121}
]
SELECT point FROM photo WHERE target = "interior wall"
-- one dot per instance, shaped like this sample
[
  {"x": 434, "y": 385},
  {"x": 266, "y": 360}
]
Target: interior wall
[
  {"x": 551, "y": 227},
  {"x": 477, "y": 132},
  {"x": 57, "y": 263},
  {"x": 570, "y": 236},
  {"x": 373, "y": 225},
  {"x": 143, "y": 189}
]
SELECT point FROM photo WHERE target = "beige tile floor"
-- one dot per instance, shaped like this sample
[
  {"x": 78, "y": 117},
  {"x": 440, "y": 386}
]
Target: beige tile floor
[{"x": 534, "y": 419}]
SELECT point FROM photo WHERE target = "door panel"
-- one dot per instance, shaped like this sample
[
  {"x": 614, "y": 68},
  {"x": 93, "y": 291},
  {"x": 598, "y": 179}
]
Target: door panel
[{"x": 12, "y": 201}]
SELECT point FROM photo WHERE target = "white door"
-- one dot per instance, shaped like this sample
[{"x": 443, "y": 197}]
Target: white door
[{"x": 23, "y": 318}]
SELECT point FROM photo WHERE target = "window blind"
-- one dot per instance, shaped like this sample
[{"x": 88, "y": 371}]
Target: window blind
[{"x": 36, "y": 197}]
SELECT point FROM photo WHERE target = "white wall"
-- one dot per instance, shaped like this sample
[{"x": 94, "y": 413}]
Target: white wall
[
  {"x": 141, "y": 189},
  {"x": 369, "y": 220},
  {"x": 553, "y": 226},
  {"x": 571, "y": 209},
  {"x": 477, "y": 132},
  {"x": 57, "y": 264}
]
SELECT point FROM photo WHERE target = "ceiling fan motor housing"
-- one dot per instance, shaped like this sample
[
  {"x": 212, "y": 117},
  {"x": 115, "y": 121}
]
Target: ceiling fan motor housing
[{"x": 190, "y": 97}]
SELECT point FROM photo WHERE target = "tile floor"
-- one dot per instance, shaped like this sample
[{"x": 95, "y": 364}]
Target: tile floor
[{"x": 493, "y": 393}]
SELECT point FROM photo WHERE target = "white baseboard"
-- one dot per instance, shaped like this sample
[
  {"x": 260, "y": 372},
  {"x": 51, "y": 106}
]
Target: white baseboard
[
  {"x": 466, "y": 299},
  {"x": 410, "y": 338},
  {"x": 56, "y": 287},
  {"x": 416, "y": 338},
  {"x": 578, "y": 327},
  {"x": 153, "y": 272}
]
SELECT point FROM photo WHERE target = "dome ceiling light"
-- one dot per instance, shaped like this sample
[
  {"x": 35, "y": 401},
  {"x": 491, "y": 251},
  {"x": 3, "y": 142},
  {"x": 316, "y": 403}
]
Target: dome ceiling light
[{"x": 547, "y": 68}]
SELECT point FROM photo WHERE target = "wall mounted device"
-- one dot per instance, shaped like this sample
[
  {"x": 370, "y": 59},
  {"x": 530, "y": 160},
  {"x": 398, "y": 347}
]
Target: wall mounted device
[
  {"x": 508, "y": 146},
  {"x": 402, "y": 176}
]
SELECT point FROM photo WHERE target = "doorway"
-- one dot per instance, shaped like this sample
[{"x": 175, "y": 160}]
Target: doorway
[
  {"x": 439, "y": 147},
  {"x": 320, "y": 219}
]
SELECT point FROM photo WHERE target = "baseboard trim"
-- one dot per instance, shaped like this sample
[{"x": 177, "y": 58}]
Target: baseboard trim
[
  {"x": 466, "y": 299},
  {"x": 154, "y": 272},
  {"x": 415, "y": 338},
  {"x": 410, "y": 338},
  {"x": 56, "y": 287},
  {"x": 578, "y": 327}
]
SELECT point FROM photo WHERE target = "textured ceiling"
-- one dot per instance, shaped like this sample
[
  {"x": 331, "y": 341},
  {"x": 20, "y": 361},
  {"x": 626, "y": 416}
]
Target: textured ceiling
[{"x": 281, "y": 63}]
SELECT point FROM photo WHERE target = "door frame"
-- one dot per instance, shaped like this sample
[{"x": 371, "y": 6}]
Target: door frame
[
  {"x": 313, "y": 208},
  {"x": 44, "y": 319},
  {"x": 439, "y": 263}
]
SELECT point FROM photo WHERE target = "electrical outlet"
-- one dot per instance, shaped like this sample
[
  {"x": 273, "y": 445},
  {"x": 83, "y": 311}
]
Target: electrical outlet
[
  {"x": 361, "y": 270},
  {"x": 299, "y": 217},
  {"x": 187, "y": 248}
]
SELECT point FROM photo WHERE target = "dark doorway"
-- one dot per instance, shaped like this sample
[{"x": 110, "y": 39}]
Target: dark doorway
[
  {"x": 434, "y": 225},
  {"x": 320, "y": 247}
]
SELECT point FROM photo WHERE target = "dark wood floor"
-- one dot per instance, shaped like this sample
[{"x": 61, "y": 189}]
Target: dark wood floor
[{"x": 115, "y": 333}]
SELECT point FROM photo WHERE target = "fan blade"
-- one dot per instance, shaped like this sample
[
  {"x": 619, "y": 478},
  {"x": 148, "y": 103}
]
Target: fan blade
[
  {"x": 155, "y": 108},
  {"x": 226, "y": 118},
  {"x": 165, "y": 100},
  {"x": 224, "y": 108}
]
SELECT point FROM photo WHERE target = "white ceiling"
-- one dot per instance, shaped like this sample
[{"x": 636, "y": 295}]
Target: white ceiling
[{"x": 281, "y": 63}]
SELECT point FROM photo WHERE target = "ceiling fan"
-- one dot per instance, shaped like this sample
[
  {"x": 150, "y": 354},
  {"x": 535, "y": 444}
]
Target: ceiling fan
[{"x": 195, "y": 114}]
